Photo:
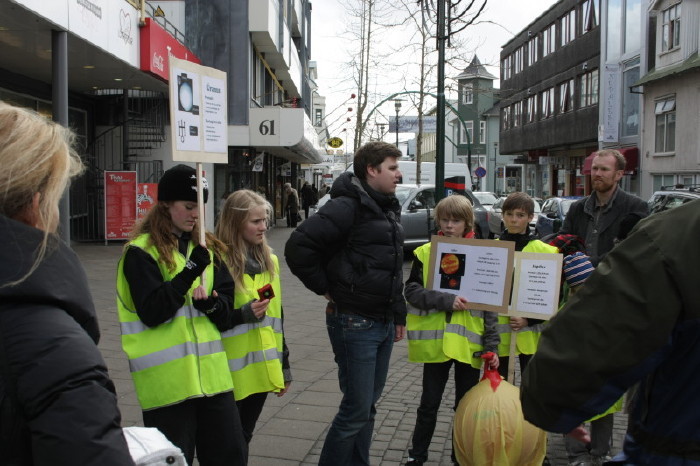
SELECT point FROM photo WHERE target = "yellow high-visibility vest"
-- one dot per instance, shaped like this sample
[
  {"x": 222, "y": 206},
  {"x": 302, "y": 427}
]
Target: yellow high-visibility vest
[
  {"x": 528, "y": 337},
  {"x": 255, "y": 351},
  {"x": 179, "y": 359},
  {"x": 432, "y": 339}
]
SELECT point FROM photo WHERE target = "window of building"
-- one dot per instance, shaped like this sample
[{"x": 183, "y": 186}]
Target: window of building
[
  {"x": 630, "y": 101},
  {"x": 589, "y": 15},
  {"x": 532, "y": 50},
  {"x": 568, "y": 27},
  {"x": 468, "y": 93},
  {"x": 517, "y": 113},
  {"x": 505, "y": 67},
  {"x": 566, "y": 96},
  {"x": 463, "y": 135},
  {"x": 318, "y": 117},
  {"x": 671, "y": 28},
  {"x": 589, "y": 88},
  {"x": 665, "y": 136},
  {"x": 633, "y": 24},
  {"x": 547, "y": 104},
  {"x": 482, "y": 132},
  {"x": 548, "y": 40},
  {"x": 505, "y": 117},
  {"x": 518, "y": 60},
  {"x": 257, "y": 79},
  {"x": 614, "y": 31},
  {"x": 531, "y": 109}
]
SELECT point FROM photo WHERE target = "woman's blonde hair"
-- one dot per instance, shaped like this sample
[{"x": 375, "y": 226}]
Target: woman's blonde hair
[
  {"x": 457, "y": 207},
  {"x": 36, "y": 156},
  {"x": 229, "y": 230},
  {"x": 159, "y": 226}
]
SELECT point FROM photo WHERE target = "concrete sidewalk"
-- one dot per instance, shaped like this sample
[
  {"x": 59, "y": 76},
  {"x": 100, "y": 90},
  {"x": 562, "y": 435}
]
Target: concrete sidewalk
[{"x": 292, "y": 428}]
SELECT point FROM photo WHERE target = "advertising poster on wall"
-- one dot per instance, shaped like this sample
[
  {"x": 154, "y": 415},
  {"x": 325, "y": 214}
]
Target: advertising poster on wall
[
  {"x": 146, "y": 197},
  {"x": 120, "y": 204},
  {"x": 198, "y": 112}
]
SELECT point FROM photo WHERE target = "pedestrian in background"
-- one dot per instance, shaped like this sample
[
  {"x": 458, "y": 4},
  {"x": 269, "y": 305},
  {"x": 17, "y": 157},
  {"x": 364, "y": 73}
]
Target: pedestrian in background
[
  {"x": 257, "y": 352},
  {"x": 292, "y": 205},
  {"x": 308, "y": 198},
  {"x": 57, "y": 402},
  {"x": 518, "y": 211},
  {"x": 168, "y": 320},
  {"x": 353, "y": 255},
  {"x": 639, "y": 319},
  {"x": 442, "y": 332},
  {"x": 596, "y": 218}
]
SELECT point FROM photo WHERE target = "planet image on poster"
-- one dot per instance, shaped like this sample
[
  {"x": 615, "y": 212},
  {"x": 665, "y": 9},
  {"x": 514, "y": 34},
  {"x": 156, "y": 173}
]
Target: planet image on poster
[{"x": 449, "y": 264}]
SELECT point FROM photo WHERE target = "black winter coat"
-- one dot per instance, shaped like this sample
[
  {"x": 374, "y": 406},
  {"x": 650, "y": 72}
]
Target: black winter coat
[
  {"x": 57, "y": 403},
  {"x": 353, "y": 250}
]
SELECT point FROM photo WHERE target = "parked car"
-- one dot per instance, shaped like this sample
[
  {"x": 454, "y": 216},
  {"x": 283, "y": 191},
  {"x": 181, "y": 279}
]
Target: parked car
[
  {"x": 496, "y": 225},
  {"x": 487, "y": 199},
  {"x": 553, "y": 213},
  {"x": 672, "y": 196},
  {"x": 417, "y": 204}
]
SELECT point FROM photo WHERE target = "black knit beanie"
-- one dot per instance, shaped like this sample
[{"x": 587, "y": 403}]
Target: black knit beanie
[{"x": 180, "y": 184}]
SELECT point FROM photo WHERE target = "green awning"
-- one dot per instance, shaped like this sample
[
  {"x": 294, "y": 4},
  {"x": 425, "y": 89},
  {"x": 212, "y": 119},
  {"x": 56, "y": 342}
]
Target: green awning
[{"x": 690, "y": 63}]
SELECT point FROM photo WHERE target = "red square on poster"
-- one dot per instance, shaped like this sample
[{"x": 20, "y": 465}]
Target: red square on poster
[
  {"x": 146, "y": 197},
  {"x": 120, "y": 204}
]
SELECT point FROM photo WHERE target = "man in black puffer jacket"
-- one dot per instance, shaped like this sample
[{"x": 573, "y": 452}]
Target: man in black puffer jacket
[{"x": 352, "y": 253}]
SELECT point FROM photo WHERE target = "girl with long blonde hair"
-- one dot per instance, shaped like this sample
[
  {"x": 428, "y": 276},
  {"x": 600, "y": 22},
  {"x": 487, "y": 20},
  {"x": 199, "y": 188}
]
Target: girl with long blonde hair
[{"x": 257, "y": 353}]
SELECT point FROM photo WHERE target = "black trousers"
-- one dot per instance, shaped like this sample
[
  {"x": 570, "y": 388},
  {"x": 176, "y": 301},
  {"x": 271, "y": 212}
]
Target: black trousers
[
  {"x": 249, "y": 409},
  {"x": 435, "y": 375},
  {"x": 210, "y": 425}
]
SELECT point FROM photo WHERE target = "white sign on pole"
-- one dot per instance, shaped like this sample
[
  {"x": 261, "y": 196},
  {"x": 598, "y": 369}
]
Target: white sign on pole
[{"x": 198, "y": 113}]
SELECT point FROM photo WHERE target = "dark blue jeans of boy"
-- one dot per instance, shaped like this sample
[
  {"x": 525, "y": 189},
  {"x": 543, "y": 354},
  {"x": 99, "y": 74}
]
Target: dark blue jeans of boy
[{"x": 362, "y": 349}]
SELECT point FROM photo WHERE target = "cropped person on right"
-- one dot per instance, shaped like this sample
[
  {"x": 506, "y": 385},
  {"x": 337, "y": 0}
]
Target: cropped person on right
[
  {"x": 442, "y": 331},
  {"x": 640, "y": 315}
]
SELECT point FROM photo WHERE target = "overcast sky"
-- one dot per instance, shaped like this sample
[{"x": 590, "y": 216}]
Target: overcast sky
[{"x": 332, "y": 52}]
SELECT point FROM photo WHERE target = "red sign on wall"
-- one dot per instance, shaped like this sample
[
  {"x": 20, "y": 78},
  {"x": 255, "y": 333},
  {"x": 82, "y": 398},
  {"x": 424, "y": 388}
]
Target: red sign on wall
[
  {"x": 120, "y": 204},
  {"x": 156, "y": 43},
  {"x": 146, "y": 197}
]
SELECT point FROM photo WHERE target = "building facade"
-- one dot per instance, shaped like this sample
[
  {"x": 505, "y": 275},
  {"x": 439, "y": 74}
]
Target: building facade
[{"x": 550, "y": 75}]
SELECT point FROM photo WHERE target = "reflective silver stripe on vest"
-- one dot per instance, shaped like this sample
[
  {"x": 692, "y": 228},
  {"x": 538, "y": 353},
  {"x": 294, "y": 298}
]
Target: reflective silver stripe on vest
[
  {"x": 274, "y": 322},
  {"x": 503, "y": 328},
  {"x": 175, "y": 352},
  {"x": 420, "y": 312},
  {"x": 130, "y": 328},
  {"x": 425, "y": 334},
  {"x": 253, "y": 357},
  {"x": 534, "y": 328},
  {"x": 463, "y": 332}
]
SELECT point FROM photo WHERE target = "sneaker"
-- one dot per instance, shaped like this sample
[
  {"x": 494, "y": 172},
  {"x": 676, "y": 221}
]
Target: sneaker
[{"x": 413, "y": 462}]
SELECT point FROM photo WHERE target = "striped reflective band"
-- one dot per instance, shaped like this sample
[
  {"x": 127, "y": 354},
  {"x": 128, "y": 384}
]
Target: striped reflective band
[
  {"x": 419, "y": 312},
  {"x": 425, "y": 334},
  {"x": 253, "y": 357},
  {"x": 274, "y": 322},
  {"x": 130, "y": 328},
  {"x": 463, "y": 332},
  {"x": 503, "y": 328},
  {"x": 175, "y": 352}
]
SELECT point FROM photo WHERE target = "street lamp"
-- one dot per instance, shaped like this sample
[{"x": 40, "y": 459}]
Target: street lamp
[
  {"x": 495, "y": 164},
  {"x": 381, "y": 131},
  {"x": 397, "y": 106}
]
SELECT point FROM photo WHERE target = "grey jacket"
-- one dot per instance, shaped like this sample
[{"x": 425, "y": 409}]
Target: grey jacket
[{"x": 599, "y": 229}]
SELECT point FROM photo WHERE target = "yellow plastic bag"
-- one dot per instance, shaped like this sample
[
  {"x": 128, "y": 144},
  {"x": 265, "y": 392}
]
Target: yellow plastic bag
[{"x": 489, "y": 427}]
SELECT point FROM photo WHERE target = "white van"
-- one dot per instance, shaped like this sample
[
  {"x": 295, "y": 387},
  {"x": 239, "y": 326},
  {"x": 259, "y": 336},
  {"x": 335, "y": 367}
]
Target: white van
[{"x": 427, "y": 172}]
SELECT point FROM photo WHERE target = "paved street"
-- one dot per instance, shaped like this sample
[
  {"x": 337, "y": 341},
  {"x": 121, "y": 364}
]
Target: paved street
[{"x": 292, "y": 428}]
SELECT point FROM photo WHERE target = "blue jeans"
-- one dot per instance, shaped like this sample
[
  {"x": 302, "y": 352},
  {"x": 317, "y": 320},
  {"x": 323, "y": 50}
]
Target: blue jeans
[{"x": 362, "y": 349}]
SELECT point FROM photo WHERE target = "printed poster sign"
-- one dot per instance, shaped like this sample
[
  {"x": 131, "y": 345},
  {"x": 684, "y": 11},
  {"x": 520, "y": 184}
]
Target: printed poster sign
[
  {"x": 536, "y": 285},
  {"x": 146, "y": 197},
  {"x": 198, "y": 112},
  {"x": 120, "y": 204},
  {"x": 479, "y": 270}
]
